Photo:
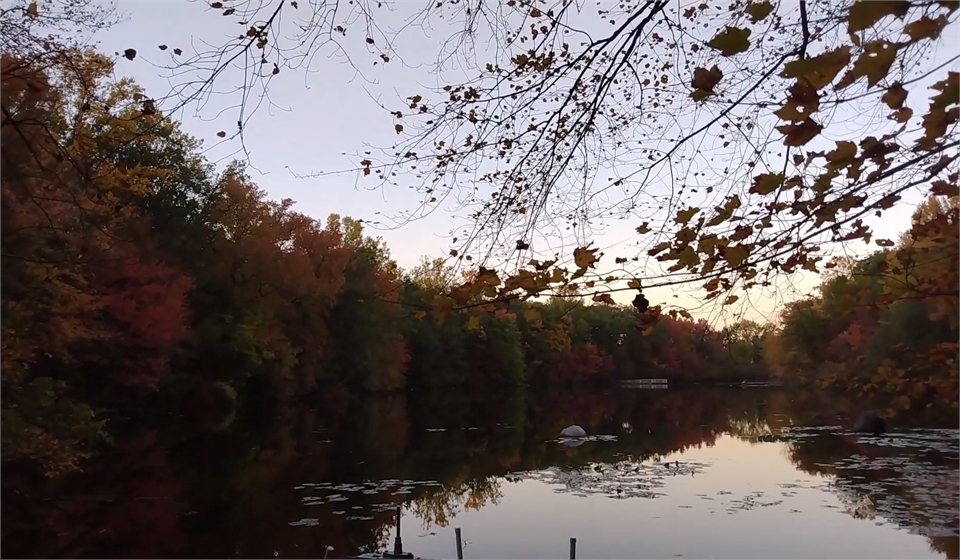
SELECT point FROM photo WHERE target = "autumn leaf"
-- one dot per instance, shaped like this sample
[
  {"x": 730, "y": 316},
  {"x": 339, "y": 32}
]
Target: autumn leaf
[
  {"x": 658, "y": 248},
  {"x": 945, "y": 188},
  {"x": 766, "y": 183},
  {"x": 842, "y": 155},
  {"x": 949, "y": 89},
  {"x": 162, "y": 47},
  {"x": 633, "y": 283},
  {"x": 902, "y": 114},
  {"x": 758, "y": 11},
  {"x": 731, "y": 300},
  {"x": 704, "y": 81},
  {"x": 222, "y": 134},
  {"x": 895, "y": 96},
  {"x": 32, "y": 9},
  {"x": 584, "y": 257},
  {"x": 532, "y": 315},
  {"x": 873, "y": 64},
  {"x": 398, "y": 127},
  {"x": 925, "y": 28},
  {"x": 604, "y": 298},
  {"x": 800, "y": 134},
  {"x": 865, "y": 13},
  {"x": 643, "y": 228},
  {"x": 473, "y": 323},
  {"x": 130, "y": 54},
  {"x": 736, "y": 255},
  {"x": 731, "y": 41},
  {"x": 820, "y": 70},
  {"x": 884, "y": 243},
  {"x": 441, "y": 307},
  {"x": 684, "y": 216}
]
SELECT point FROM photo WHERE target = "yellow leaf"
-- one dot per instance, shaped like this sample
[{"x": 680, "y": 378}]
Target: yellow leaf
[
  {"x": 895, "y": 96},
  {"x": 819, "y": 70},
  {"x": 419, "y": 314},
  {"x": 799, "y": 134},
  {"x": 758, "y": 11},
  {"x": 442, "y": 306},
  {"x": 864, "y": 14},
  {"x": 684, "y": 216},
  {"x": 532, "y": 315},
  {"x": 473, "y": 323},
  {"x": 731, "y": 41}
]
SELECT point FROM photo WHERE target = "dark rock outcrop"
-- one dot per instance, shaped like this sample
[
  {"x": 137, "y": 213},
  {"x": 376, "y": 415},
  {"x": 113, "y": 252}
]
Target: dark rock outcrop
[{"x": 871, "y": 423}]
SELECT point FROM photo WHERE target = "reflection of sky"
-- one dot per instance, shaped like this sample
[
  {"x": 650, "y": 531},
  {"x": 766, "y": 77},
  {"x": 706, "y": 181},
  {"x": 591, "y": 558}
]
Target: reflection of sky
[{"x": 533, "y": 521}]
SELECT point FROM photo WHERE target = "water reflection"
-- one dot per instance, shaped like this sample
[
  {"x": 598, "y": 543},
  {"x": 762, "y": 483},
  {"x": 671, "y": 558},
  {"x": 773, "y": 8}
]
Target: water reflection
[{"x": 721, "y": 473}]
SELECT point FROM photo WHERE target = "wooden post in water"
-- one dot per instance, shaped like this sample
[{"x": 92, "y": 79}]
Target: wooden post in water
[
  {"x": 573, "y": 548},
  {"x": 459, "y": 544}
]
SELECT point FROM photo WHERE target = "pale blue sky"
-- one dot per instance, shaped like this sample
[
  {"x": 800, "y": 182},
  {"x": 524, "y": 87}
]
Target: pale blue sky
[{"x": 322, "y": 115}]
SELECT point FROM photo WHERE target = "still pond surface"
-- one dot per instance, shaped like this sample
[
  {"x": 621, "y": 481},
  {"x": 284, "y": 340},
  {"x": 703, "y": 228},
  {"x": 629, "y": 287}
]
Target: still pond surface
[{"x": 718, "y": 473}]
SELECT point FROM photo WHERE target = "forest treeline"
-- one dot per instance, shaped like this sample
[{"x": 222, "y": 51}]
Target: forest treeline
[
  {"x": 136, "y": 275},
  {"x": 886, "y": 322}
]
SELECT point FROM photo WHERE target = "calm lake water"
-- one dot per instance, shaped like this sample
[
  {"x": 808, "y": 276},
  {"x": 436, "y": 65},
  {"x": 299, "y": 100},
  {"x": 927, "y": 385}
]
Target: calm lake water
[{"x": 718, "y": 473}]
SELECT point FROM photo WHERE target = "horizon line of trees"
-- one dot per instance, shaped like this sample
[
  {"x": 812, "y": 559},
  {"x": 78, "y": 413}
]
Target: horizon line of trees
[{"x": 133, "y": 268}]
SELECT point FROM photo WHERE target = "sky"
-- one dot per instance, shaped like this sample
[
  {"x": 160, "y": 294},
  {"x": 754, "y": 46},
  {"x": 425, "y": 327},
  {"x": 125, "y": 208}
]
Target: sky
[{"x": 317, "y": 120}]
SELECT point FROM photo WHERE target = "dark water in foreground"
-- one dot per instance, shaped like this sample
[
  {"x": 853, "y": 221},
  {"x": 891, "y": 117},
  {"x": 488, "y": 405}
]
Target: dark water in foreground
[{"x": 719, "y": 473}]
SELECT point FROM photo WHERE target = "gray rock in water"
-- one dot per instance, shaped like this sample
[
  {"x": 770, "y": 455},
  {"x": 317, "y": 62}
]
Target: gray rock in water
[
  {"x": 573, "y": 432},
  {"x": 870, "y": 422}
]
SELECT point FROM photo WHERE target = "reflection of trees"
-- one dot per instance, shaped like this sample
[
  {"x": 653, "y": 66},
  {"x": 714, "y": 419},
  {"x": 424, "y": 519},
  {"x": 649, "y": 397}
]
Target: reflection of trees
[
  {"x": 906, "y": 483},
  {"x": 133, "y": 499},
  {"x": 238, "y": 484},
  {"x": 439, "y": 507}
]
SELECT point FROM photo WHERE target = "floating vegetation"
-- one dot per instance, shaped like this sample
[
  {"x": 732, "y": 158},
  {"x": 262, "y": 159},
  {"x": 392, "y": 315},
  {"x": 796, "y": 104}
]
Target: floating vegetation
[
  {"x": 578, "y": 441},
  {"x": 621, "y": 480},
  {"x": 328, "y": 492},
  {"x": 305, "y": 522}
]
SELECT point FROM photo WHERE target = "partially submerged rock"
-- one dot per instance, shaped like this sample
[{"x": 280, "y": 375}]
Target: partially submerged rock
[
  {"x": 573, "y": 432},
  {"x": 871, "y": 423}
]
